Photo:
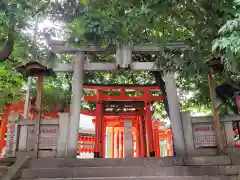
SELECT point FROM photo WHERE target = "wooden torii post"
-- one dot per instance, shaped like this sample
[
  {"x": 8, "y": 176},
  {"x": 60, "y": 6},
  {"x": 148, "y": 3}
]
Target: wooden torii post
[{"x": 123, "y": 61}]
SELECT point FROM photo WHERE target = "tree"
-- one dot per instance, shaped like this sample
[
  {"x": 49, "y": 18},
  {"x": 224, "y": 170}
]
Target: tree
[
  {"x": 15, "y": 17},
  {"x": 227, "y": 43},
  {"x": 196, "y": 23},
  {"x": 106, "y": 22}
]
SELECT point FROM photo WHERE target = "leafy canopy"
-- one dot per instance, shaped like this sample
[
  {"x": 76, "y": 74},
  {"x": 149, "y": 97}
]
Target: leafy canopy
[{"x": 109, "y": 21}]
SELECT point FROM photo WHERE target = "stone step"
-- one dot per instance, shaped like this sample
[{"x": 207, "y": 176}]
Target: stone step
[
  {"x": 73, "y": 172},
  {"x": 151, "y": 178},
  {"x": 167, "y": 161},
  {"x": 5, "y": 164},
  {"x": 3, "y": 170}
]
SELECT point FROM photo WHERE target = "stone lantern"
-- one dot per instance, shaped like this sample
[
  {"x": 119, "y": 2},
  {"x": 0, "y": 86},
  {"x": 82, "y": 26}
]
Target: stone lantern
[
  {"x": 215, "y": 66},
  {"x": 35, "y": 69}
]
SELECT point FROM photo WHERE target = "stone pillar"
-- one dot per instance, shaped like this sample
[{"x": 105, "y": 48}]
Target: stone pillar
[
  {"x": 63, "y": 134},
  {"x": 27, "y": 98},
  {"x": 188, "y": 133},
  {"x": 75, "y": 108},
  {"x": 22, "y": 142},
  {"x": 124, "y": 56},
  {"x": 175, "y": 116},
  {"x": 128, "y": 138},
  {"x": 229, "y": 134}
]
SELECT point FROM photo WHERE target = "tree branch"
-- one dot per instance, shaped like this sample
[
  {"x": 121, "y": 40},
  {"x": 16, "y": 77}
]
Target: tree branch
[
  {"x": 42, "y": 8},
  {"x": 8, "y": 47}
]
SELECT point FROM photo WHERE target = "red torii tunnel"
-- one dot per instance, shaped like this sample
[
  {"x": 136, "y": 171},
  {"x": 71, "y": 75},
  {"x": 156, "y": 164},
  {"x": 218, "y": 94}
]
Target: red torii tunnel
[
  {"x": 115, "y": 142},
  {"x": 121, "y": 101}
]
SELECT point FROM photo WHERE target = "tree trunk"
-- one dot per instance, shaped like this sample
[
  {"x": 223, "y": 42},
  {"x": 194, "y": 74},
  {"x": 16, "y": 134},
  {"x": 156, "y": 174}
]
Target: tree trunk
[
  {"x": 160, "y": 82},
  {"x": 6, "y": 51}
]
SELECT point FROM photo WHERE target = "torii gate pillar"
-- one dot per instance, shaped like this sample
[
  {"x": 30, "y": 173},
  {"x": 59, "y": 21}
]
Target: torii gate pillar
[
  {"x": 175, "y": 115},
  {"x": 76, "y": 101}
]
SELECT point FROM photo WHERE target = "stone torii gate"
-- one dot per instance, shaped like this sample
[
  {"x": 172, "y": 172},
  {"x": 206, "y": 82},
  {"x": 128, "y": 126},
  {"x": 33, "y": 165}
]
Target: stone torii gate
[{"x": 123, "y": 61}]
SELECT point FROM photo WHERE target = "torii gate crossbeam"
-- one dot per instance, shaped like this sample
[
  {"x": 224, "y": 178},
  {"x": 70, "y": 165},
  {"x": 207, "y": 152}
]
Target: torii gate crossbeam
[{"x": 61, "y": 47}]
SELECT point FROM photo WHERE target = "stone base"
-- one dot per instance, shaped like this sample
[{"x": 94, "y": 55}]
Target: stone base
[
  {"x": 41, "y": 154},
  {"x": 71, "y": 153},
  {"x": 159, "y": 178},
  {"x": 168, "y": 168},
  {"x": 130, "y": 171}
]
